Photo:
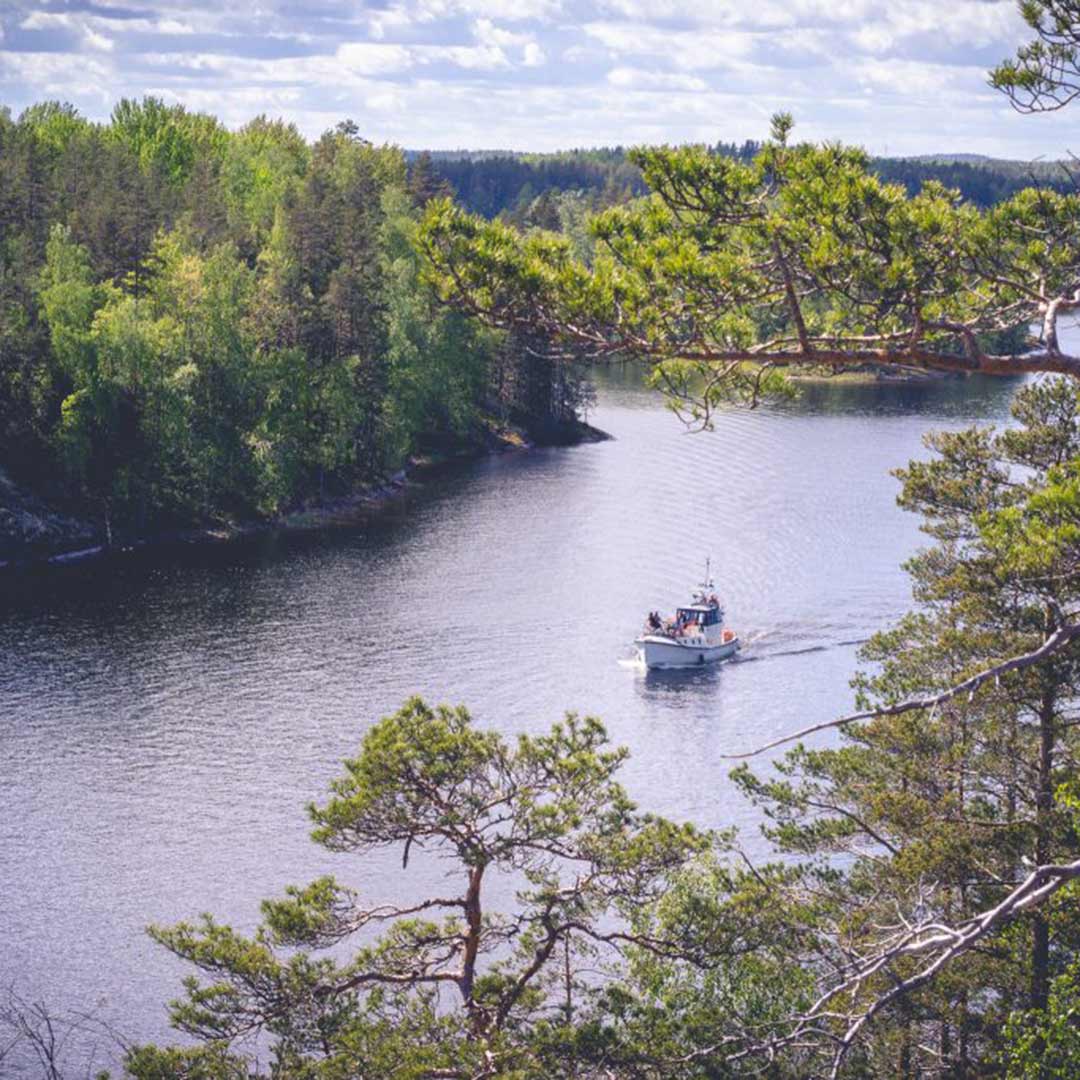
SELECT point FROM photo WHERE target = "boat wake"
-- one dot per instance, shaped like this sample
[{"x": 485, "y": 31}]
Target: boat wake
[
  {"x": 751, "y": 655},
  {"x": 795, "y": 650}
]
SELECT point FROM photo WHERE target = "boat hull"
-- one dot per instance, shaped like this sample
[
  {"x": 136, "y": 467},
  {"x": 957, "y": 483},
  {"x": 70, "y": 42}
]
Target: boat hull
[{"x": 662, "y": 652}]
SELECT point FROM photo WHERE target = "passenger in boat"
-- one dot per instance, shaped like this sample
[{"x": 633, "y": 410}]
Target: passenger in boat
[{"x": 654, "y": 620}]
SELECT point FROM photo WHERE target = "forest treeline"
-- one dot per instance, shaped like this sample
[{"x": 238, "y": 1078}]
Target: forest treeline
[
  {"x": 198, "y": 323},
  {"x": 522, "y": 187}
]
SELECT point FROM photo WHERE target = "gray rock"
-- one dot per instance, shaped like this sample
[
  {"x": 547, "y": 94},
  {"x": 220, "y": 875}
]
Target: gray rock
[{"x": 31, "y": 529}]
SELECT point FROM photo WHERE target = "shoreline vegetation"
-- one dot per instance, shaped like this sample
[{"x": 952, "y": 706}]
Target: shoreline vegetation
[
  {"x": 200, "y": 325},
  {"x": 35, "y": 536}
]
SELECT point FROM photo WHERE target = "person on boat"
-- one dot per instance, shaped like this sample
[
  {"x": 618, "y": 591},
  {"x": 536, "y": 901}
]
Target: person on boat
[{"x": 654, "y": 620}]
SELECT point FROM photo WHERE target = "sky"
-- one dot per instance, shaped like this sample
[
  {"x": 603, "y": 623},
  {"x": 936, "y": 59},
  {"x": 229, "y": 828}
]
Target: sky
[{"x": 896, "y": 76}]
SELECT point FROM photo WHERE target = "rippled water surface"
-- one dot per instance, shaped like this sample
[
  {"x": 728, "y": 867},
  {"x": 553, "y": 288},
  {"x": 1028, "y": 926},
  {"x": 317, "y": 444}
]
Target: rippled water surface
[{"x": 165, "y": 720}]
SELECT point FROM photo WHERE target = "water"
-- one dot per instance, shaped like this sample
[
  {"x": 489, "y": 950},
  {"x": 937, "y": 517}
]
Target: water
[{"x": 165, "y": 720}]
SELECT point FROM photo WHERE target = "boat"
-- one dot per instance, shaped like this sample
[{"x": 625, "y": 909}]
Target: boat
[{"x": 694, "y": 636}]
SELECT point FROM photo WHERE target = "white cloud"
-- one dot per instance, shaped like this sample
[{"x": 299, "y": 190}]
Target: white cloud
[
  {"x": 636, "y": 79},
  {"x": 495, "y": 9},
  {"x": 386, "y": 101},
  {"x": 702, "y": 50},
  {"x": 908, "y": 75},
  {"x": 46, "y": 20},
  {"x": 100, "y": 23},
  {"x": 874, "y": 38},
  {"x": 96, "y": 40},
  {"x": 172, "y": 26},
  {"x": 487, "y": 33},
  {"x": 470, "y": 57},
  {"x": 387, "y": 20},
  {"x": 370, "y": 58},
  {"x": 404, "y": 14},
  {"x": 916, "y": 81},
  {"x": 494, "y": 37}
]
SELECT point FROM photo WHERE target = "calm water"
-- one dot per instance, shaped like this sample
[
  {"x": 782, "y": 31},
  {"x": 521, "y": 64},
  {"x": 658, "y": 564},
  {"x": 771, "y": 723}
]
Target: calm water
[{"x": 165, "y": 721}]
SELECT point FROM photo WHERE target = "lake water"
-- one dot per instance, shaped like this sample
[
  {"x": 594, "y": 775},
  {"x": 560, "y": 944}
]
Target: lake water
[{"x": 165, "y": 720}]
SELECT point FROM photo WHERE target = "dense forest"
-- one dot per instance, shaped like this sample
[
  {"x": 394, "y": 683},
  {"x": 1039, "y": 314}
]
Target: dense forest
[
  {"x": 510, "y": 185},
  {"x": 199, "y": 324}
]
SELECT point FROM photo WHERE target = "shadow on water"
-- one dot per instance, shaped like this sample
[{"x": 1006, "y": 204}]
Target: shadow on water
[
  {"x": 231, "y": 565},
  {"x": 691, "y": 680}
]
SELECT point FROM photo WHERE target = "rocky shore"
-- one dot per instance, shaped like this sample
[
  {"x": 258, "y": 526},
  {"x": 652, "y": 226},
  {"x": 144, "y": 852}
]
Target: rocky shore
[
  {"x": 32, "y": 531},
  {"x": 34, "y": 534}
]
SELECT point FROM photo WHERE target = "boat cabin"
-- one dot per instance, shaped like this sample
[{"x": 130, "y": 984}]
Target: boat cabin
[{"x": 698, "y": 616}]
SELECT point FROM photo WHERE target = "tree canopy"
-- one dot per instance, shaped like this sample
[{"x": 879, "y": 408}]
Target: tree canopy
[
  {"x": 450, "y": 984},
  {"x": 199, "y": 325}
]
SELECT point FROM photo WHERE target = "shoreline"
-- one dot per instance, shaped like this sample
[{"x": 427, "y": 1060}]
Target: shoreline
[{"x": 340, "y": 512}]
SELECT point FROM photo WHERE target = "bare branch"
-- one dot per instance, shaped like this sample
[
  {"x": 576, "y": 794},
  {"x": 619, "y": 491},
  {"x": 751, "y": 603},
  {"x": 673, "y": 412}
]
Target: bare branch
[
  {"x": 1061, "y": 637},
  {"x": 942, "y": 942}
]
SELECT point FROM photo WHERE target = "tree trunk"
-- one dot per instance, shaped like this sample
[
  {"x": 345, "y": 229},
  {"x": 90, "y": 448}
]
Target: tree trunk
[
  {"x": 1044, "y": 804},
  {"x": 473, "y": 922}
]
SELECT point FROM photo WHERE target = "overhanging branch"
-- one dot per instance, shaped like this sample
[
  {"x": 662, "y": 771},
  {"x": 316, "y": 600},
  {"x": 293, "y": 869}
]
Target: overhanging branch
[{"x": 1061, "y": 637}]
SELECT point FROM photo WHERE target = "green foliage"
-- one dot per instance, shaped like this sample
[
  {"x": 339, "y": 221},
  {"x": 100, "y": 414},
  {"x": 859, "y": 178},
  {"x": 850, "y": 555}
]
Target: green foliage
[
  {"x": 263, "y": 165},
  {"x": 960, "y": 796},
  {"x": 544, "y": 813},
  {"x": 507, "y": 186},
  {"x": 1044, "y": 1044},
  {"x": 166, "y": 140},
  {"x": 210, "y": 1062},
  {"x": 439, "y": 362},
  {"x": 54, "y": 124},
  {"x": 198, "y": 325},
  {"x": 235, "y": 322},
  {"x": 1044, "y": 74}
]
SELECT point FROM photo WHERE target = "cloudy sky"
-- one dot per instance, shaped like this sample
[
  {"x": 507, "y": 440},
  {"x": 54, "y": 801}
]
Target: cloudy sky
[{"x": 897, "y": 76}]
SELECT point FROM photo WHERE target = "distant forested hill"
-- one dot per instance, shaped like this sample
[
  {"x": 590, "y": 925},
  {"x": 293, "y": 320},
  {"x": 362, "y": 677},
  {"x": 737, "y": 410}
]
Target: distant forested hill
[
  {"x": 503, "y": 182},
  {"x": 494, "y": 183},
  {"x": 982, "y": 181}
]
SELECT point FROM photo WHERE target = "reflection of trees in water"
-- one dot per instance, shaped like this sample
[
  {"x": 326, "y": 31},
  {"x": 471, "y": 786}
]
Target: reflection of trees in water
[{"x": 976, "y": 397}]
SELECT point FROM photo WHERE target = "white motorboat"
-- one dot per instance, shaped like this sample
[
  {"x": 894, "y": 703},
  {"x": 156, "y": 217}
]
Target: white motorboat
[{"x": 695, "y": 635}]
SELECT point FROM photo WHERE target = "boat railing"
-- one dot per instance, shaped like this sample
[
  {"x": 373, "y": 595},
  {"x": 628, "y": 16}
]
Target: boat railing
[{"x": 672, "y": 630}]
